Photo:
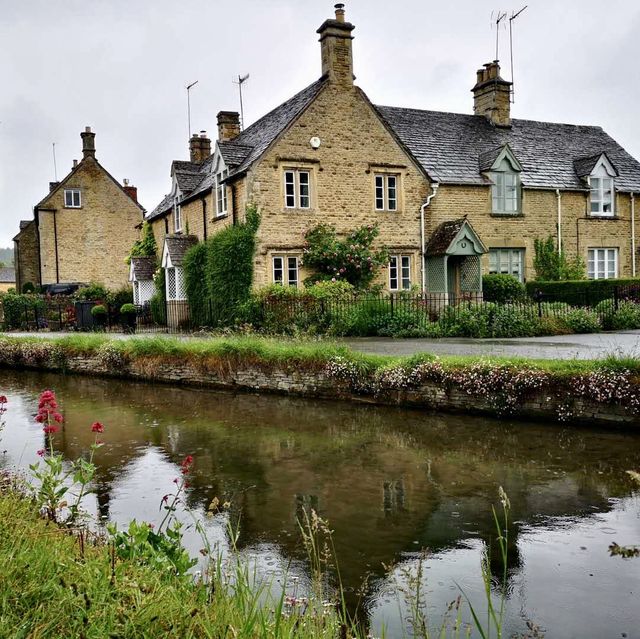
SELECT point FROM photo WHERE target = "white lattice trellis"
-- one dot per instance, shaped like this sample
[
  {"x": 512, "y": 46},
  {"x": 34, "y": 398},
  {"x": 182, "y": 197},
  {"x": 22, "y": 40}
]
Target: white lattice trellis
[{"x": 146, "y": 290}]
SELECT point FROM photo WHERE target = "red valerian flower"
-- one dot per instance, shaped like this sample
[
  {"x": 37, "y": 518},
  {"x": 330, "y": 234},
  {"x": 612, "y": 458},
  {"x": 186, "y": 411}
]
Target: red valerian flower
[
  {"x": 50, "y": 429},
  {"x": 187, "y": 463},
  {"x": 97, "y": 427},
  {"x": 41, "y": 452},
  {"x": 57, "y": 417},
  {"x": 3, "y": 399}
]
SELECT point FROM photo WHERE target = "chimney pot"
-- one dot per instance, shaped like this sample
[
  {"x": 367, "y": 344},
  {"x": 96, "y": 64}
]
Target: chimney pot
[
  {"x": 199, "y": 147},
  {"x": 75, "y": 163},
  {"x": 53, "y": 186},
  {"x": 130, "y": 190},
  {"x": 125, "y": 182},
  {"x": 339, "y": 12}
]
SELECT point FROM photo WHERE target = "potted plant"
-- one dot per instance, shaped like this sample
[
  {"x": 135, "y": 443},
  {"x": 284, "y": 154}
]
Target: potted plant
[
  {"x": 128, "y": 314},
  {"x": 99, "y": 314}
]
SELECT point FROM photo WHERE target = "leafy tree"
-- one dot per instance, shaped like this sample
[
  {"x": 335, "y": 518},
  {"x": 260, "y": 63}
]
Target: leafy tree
[
  {"x": 552, "y": 265},
  {"x": 351, "y": 259}
]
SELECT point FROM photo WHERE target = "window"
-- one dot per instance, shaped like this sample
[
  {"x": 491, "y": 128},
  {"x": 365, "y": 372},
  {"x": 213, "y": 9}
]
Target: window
[
  {"x": 177, "y": 216},
  {"x": 286, "y": 270},
  {"x": 505, "y": 192},
  {"x": 175, "y": 284},
  {"x": 399, "y": 272},
  {"x": 386, "y": 192},
  {"x": 507, "y": 261},
  {"x": 221, "y": 193},
  {"x": 601, "y": 196},
  {"x": 602, "y": 263},
  {"x": 72, "y": 199},
  {"x": 297, "y": 189}
]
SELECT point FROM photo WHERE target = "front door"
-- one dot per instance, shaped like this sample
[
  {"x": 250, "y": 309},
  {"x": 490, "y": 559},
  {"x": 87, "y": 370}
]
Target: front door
[{"x": 454, "y": 264}]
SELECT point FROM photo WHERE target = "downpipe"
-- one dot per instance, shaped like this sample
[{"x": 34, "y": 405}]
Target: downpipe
[
  {"x": 423, "y": 274},
  {"x": 633, "y": 234},
  {"x": 559, "y": 200}
]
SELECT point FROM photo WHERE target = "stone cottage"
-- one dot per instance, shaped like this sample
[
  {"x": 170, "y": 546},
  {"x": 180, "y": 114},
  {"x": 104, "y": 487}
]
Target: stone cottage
[
  {"x": 82, "y": 230},
  {"x": 454, "y": 195}
]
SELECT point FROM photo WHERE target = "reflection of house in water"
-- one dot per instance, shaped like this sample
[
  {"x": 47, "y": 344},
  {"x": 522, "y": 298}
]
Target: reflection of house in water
[{"x": 383, "y": 478}]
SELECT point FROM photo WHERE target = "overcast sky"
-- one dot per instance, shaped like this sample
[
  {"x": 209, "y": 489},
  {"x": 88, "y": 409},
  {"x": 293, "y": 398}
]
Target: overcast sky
[{"x": 121, "y": 67}]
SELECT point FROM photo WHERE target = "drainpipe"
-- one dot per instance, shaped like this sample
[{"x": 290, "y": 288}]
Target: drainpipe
[
  {"x": 633, "y": 234},
  {"x": 558, "y": 196},
  {"x": 423, "y": 274}
]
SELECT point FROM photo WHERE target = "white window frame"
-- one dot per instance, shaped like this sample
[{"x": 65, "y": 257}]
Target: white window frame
[
  {"x": 221, "y": 193},
  {"x": 295, "y": 182},
  {"x": 285, "y": 270},
  {"x": 72, "y": 193},
  {"x": 599, "y": 261},
  {"x": 399, "y": 272},
  {"x": 386, "y": 186},
  {"x": 601, "y": 183},
  {"x": 177, "y": 216},
  {"x": 507, "y": 261}
]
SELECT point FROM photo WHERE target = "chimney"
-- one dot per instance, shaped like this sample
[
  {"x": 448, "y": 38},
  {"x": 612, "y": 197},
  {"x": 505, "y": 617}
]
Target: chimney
[
  {"x": 130, "y": 190},
  {"x": 199, "y": 147},
  {"x": 88, "y": 143},
  {"x": 205, "y": 145},
  {"x": 335, "y": 46},
  {"x": 492, "y": 95},
  {"x": 75, "y": 163},
  {"x": 53, "y": 186},
  {"x": 228, "y": 125}
]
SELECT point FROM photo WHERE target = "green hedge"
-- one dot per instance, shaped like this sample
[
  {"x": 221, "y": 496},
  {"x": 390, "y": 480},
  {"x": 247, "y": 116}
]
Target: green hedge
[
  {"x": 20, "y": 309},
  {"x": 579, "y": 292}
]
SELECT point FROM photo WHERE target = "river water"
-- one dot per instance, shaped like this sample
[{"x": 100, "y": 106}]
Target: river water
[{"x": 396, "y": 485}]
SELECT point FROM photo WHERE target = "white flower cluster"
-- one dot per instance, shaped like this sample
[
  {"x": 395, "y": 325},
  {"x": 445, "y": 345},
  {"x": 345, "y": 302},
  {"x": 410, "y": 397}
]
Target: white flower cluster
[{"x": 608, "y": 387}]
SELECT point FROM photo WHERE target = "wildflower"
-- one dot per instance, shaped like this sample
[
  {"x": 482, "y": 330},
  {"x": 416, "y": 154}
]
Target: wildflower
[
  {"x": 57, "y": 417},
  {"x": 97, "y": 427},
  {"x": 186, "y": 465},
  {"x": 3, "y": 399},
  {"x": 41, "y": 452},
  {"x": 50, "y": 429}
]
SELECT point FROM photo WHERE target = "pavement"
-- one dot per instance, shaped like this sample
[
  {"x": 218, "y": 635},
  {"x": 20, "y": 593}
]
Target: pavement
[{"x": 588, "y": 346}]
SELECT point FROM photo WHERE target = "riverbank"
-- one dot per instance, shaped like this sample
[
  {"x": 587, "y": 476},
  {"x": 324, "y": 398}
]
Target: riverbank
[
  {"x": 605, "y": 391},
  {"x": 67, "y": 583}
]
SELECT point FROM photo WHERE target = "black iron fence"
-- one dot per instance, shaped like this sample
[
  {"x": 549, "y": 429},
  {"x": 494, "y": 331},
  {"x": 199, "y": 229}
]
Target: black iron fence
[{"x": 358, "y": 314}]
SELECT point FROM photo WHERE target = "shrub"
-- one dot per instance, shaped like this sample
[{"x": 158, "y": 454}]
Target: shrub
[
  {"x": 158, "y": 302},
  {"x": 116, "y": 299},
  {"x": 464, "y": 320},
  {"x": 580, "y": 292},
  {"x": 514, "y": 321},
  {"x": 19, "y": 310},
  {"x": 351, "y": 259},
  {"x": 128, "y": 309},
  {"x": 94, "y": 291},
  {"x": 502, "y": 288},
  {"x": 582, "y": 320},
  {"x": 195, "y": 266},
  {"x": 99, "y": 311},
  {"x": 328, "y": 290},
  {"x": 553, "y": 265},
  {"x": 627, "y": 317},
  {"x": 28, "y": 287}
]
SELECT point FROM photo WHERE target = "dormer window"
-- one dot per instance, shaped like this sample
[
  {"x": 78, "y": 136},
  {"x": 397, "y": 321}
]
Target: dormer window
[
  {"x": 602, "y": 186},
  {"x": 506, "y": 187},
  {"x": 221, "y": 193}
]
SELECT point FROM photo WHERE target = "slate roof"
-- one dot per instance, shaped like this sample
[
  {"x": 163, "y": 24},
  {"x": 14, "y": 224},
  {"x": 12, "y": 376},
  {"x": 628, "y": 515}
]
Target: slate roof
[
  {"x": 452, "y": 148},
  {"x": 143, "y": 268},
  {"x": 7, "y": 275},
  {"x": 242, "y": 151},
  {"x": 178, "y": 245},
  {"x": 442, "y": 237},
  {"x": 584, "y": 166}
]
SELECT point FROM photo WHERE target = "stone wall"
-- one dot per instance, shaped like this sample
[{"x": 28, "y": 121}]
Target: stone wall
[
  {"x": 26, "y": 256},
  {"x": 317, "y": 383}
]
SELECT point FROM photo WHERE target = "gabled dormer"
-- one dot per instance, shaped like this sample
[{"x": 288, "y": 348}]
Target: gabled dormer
[
  {"x": 503, "y": 170},
  {"x": 599, "y": 173},
  {"x": 219, "y": 173}
]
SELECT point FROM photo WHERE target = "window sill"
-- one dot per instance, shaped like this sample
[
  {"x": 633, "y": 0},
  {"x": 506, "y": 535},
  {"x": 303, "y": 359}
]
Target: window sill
[
  {"x": 220, "y": 217},
  {"x": 389, "y": 211},
  {"x": 297, "y": 210},
  {"x": 494, "y": 214},
  {"x": 73, "y": 208},
  {"x": 602, "y": 216}
]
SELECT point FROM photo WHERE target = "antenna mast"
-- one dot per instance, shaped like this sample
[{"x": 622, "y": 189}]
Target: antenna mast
[
  {"x": 499, "y": 19},
  {"x": 511, "y": 19},
  {"x": 55, "y": 168},
  {"x": 189, "y": 87},
  {"x": 240, "y": 81}
]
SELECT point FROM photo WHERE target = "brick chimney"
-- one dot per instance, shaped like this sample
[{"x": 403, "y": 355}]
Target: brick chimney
[
  {"x": 130, "y": 190},
  {"x": 228, "y": 125},
  {"x": 88, "y": 143},
  {"x": 492, "y": 95},
  {"x": 199, "y": 147},
  {"x": 335, "y": 46}
]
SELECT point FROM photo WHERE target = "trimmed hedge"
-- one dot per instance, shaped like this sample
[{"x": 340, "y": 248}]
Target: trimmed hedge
[
  {"x": 500, "y": 287},
  {"x": 579, "y": 292}
]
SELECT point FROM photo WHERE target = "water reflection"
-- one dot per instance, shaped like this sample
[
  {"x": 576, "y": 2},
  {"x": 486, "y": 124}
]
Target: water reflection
[{"x": 389, "y": 481}]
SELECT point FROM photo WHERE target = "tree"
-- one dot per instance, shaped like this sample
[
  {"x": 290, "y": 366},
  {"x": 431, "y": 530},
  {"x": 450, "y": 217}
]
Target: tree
[{"x": 351, "y": 259}]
